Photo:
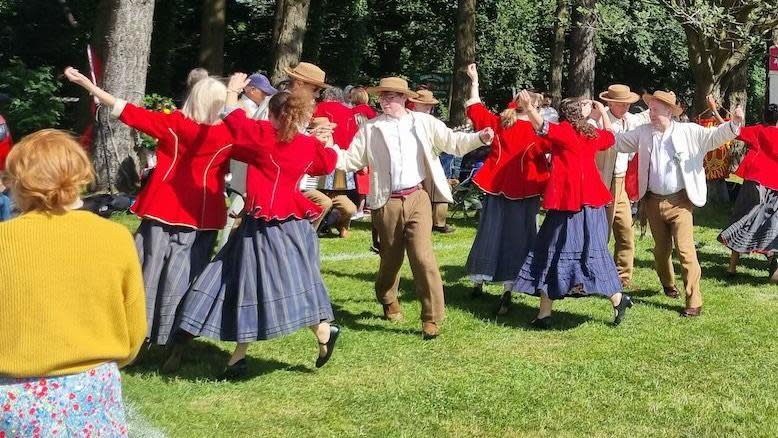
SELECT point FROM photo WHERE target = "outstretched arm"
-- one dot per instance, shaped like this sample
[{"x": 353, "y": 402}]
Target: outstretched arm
[
  {"x": 526, "y": 102},
  {"x": 77, "y": 78}
]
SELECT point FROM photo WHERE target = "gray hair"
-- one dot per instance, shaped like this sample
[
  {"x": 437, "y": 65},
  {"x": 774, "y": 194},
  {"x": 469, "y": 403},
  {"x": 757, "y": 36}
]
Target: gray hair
[{"x": 332, "y": 94}]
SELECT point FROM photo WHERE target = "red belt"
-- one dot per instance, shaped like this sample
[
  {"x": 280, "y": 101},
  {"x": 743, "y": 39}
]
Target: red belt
[{"x": 405, "y": 192}]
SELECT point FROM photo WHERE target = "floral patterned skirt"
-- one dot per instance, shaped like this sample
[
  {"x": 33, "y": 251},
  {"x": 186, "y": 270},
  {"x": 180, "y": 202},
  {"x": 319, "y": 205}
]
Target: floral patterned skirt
[{"x": 87, "y": 404}]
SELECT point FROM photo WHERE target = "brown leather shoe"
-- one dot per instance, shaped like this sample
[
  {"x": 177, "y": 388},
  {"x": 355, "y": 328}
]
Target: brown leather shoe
[
  {"x": 671, "y": 292},
  {"x": 691, "y": 312},
  {"x": 393, "y": 312},
  {"x": 429, "y": 330},
  {"x": 344, "y": 233}
]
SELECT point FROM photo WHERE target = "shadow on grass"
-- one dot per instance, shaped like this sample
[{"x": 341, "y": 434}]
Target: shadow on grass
[{"x": 205, "y": 361}]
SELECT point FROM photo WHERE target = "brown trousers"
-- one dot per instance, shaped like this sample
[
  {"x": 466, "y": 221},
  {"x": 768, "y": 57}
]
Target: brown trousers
[
  {"x": 620, "y": 221},
  {"x": 670, "y": 218},
  {"x": 439, "y": 214},
  {"x": 342, "y": 203},
  {"x": 322, "y": 201},
  {"x": 405, "y": 224}
]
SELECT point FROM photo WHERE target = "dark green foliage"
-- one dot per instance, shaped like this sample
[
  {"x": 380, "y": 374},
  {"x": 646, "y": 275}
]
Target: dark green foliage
[{"x": 34, "y": 101}]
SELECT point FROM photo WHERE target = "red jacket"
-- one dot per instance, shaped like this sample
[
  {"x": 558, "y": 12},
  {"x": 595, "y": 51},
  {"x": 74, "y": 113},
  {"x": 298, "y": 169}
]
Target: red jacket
[
  {"x": 575, "y": 181},
  {"x": 516, "y": 166},
  {"x": 272, "y": 181},
  {"x": 365, "y": 110},
  {"x": 6, "y": 142},
  {"x": 341, "y": 115},
  {"x": 761, "y": 161},
  {"x": 187, "y": 186}
]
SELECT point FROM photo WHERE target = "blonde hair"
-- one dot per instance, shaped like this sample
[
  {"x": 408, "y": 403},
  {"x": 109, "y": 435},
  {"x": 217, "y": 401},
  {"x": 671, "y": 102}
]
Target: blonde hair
[
  {"x": 359, "y": 96},
  {"x": 509, "y": 116},
  {"x": 47, "y": 171},
  {"x": 205, "y": 101}
]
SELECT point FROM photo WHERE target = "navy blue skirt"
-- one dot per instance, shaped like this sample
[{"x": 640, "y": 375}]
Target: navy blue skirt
[
  {"x": 266, "y": 282},
  {"x": 506, "y": 233},
  {"x": 756, "y": 229},
  {"x": 571, "y": 250}
]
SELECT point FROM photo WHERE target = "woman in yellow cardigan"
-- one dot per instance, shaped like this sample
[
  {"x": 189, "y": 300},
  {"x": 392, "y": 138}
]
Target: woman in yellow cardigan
[{"x": 72, "y": 307}]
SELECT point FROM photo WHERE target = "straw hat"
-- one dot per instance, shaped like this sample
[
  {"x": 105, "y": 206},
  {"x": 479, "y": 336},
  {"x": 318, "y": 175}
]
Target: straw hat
[
  {"x": 308, "y": 73},
  {"x": 666, "y": 97},
  {"x": 619, "y": 93},
  {"x": 394, "y": 84},
  {"x": 425, "y": 97}
]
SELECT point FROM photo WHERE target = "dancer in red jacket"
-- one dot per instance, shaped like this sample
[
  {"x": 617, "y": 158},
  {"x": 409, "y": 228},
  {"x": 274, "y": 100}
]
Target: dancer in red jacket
[{"x": 513, "y": 176}]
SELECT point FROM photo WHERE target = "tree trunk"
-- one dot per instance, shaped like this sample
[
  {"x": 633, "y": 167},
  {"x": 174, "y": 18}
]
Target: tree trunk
[
  {"x": 123, "y": 41},
  {"x": 582, "y": 53},
  {"x": 464, "y": 54},
  {"x": 212, "y": 36},
  {"x": 737, "y": 88},
  {"x": 291, "y": 33},
  {"x": 558, "y": 52},
  {"x": 315, "y": 28}
]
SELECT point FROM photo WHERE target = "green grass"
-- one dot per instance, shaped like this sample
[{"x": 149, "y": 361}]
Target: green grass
[{"x": 655, "y": 375}]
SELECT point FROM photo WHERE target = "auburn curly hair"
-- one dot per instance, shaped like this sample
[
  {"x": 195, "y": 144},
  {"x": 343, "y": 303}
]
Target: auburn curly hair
[
  {"x": 47, "y": 171},
  {"x": 293, "y": 110},
  {"x": 570, "y": 111}
]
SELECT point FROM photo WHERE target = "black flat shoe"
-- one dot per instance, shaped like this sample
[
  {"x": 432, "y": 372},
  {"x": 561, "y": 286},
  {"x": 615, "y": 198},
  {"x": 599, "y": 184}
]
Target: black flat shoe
[
  {"x": 236, "y": 371},
  {"x": 334, "y": 333},
  {"x": 477, "y": 291},
  {"x": 505, "y": 303},
  {"x": 541, "y": 323},
  {"x": 173, "y": 361},
  {"x": 621, "y": 310}
]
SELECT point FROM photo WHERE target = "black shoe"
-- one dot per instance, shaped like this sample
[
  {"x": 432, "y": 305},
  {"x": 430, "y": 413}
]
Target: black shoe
[
  {"x": 375, "y": 249},
  {"x": 541, "y": 323},
  {"x": 621, "y": 309},
  {"x": 445, "y": 229},
  {"x": 505, "y": 303},
  {"x": 236, "y": 371},
  {"x": 324, "y": 232},
  {"x": 173, "y": 361},
  {"x": 334, "y": 333},
  {"x": 477, "y": 291}
]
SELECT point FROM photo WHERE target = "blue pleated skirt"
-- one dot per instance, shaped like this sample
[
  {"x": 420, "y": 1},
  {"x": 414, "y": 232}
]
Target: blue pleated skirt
[
  {"x": 266, "y": 282},
  {"x": 571, "y": 250}
]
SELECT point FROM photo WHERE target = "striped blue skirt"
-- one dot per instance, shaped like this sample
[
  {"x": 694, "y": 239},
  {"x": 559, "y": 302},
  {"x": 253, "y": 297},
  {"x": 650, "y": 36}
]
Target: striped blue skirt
[
  {"x": 506, "y": 233},
  {"x": 754, "y": 222},
  {"x": 171, "y": 257},
  {"x": 265, "y": 283},
  {"x": 571, "y": 251}
]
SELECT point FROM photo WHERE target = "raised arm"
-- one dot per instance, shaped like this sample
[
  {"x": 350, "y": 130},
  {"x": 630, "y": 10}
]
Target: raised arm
[
  {"x": 77, "y": 78},
  {"x": 526, "y": 102},
  {"x": 713, "y": 106},
  {"x": 712, "y": 138},
  {"x": 604, "y": 119}
]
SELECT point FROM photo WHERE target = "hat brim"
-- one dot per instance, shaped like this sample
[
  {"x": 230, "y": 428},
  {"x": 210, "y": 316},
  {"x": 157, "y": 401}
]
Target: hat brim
[
  {"x": 424, "y": 102},
  {"x": 633, "y": 97},
  {"x": 291, "y": 73},
  {"x": 677, "y": 110},
  {"x": 410, "y": 93}
]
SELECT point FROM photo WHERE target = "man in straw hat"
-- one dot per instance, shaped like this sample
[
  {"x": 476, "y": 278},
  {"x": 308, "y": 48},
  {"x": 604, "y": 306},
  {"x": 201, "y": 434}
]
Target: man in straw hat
[
  {"x": 398, "y": 146},
  {"x": 671, "y": 181},
  {"x": 613, "y": 170},
  {"x": 425, "y": 103}
]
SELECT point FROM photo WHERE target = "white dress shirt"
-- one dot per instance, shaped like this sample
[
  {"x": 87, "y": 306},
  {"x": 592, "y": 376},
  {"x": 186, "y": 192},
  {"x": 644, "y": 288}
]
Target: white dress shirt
[
  {"x": 664, "y": 170},
  {"x": 407, "y": 166}
]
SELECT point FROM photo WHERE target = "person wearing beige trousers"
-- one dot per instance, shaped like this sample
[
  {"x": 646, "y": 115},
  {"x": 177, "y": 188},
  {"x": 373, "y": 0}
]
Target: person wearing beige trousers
[
  {"x": 398, "y": 147},
  {"x": 672, "y": 183}
]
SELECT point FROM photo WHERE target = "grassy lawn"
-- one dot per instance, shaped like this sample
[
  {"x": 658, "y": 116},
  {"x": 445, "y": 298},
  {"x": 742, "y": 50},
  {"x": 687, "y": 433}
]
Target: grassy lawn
[{"x": 655, "y": 375}]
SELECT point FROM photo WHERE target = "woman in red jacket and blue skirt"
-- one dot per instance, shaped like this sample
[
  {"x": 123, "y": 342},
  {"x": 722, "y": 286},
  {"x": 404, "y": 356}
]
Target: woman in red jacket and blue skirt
[
  {"x": 266, "y": 281},
  {"x": 513, "y": 177},
  {"x": 571, "y": 257},
  {"x": 182, "y": 205},
  {"x": 754, "y": 223}
]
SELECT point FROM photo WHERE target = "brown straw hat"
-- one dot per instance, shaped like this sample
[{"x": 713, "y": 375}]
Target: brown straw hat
[
  {"x": 619, "y": 93},
  {"x": 666, "y": 97},
  {"x": 425, "y": 97},
  {"x": 395, "y": 84},
  {"x": 308, "y": 73}
]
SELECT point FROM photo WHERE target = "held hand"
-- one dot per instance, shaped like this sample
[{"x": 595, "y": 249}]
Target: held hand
[
  {"x": 525, "y": 99},
  {"x": 77, "y": 78},
  {"x": 486, "y": 135},
  {"x": 711, "y": 102},
  {"x": 739, "y": 116},
  {"x": 237, "y": 82},
  {"x": 598, "y": 110},
  {"x": 472, "y": 72}
]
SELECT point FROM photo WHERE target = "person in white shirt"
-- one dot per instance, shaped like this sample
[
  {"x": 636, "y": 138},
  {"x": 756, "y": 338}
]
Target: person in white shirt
[
  {"x": 613, "y": 170},
  {"x": 398, "y": 147},
  {"x": 672, "y": 182}
]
